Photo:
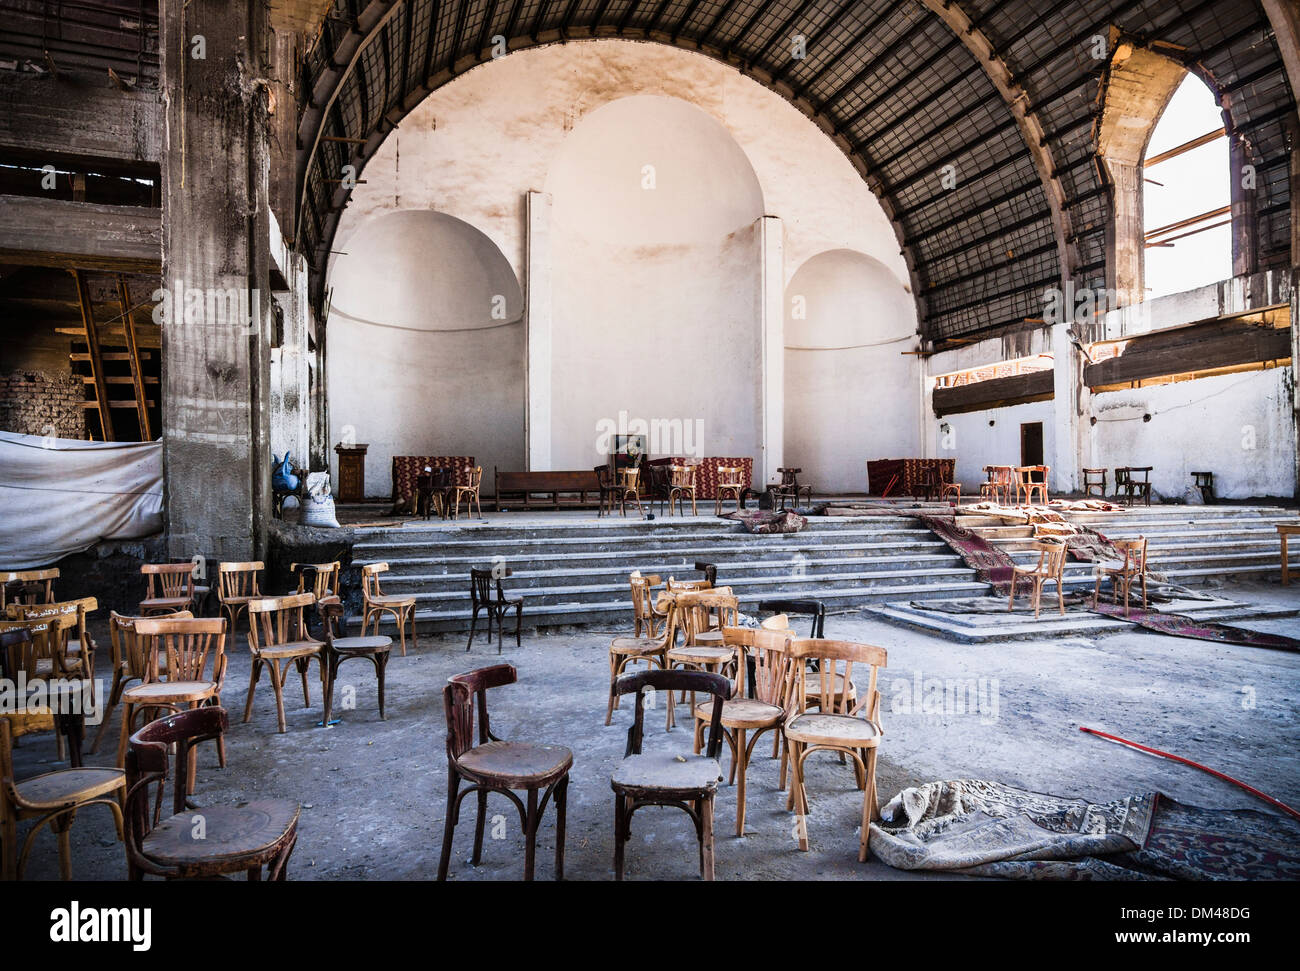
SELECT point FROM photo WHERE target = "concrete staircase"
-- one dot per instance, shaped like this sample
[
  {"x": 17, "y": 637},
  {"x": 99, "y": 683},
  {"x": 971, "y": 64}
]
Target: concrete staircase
[{"x": 574, "y": 569}]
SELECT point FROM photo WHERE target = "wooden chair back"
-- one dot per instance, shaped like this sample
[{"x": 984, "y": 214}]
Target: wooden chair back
[
  {"x": 370, "y": 579},
  {"x": 642, "y": 598},
  {"x": 273, "y": 621},
  {"x": 480, "y": 586},
  {"x": 837, "y": 659},
  {"x": 64, "y": 619},
  {"x": 173, "y": 579},
  {"x": 683, "y": 477},
  {"x": 324, "y": 578},
  {"x": 16, "y": 724},
  {"x": 773, "y": 665},
  {"x": 630, "y": 478},
  {"x": 474, "y": 478},
  {"x": 188, "y": 643},
  {"x": 686, "y": 586},
  {"x": 673, "y": 679},
  {"x": 1051, "y": 558},
  {"x": 238, "y": 579},
  {"x": 776, "y": 622},
  {"x": 19, "y": 648},
  {"x": 1135, "y": 554},
  {"x": 125, "y": 648},
  {"x": 731, "y": 477},
  {"x": 459, "y": 697},
  {"x": 696, "y": 611},
  {"x": 815, "y": 609},
  {"x": 28, "y": 587}
]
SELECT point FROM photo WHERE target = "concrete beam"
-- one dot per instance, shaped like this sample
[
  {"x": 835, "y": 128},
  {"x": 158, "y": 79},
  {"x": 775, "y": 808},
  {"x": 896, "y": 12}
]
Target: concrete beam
[
  {"x": 98, "y": 127},
  {"x": 56, "y": 232}
]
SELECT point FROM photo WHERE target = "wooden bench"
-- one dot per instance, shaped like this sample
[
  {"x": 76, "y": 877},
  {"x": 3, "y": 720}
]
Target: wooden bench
[{"x": 520, "y": 487}]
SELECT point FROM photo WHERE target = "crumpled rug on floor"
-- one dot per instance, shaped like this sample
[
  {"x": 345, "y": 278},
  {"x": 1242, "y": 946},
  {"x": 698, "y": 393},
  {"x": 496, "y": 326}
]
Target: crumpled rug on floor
[{"x": 979, "y": 828}]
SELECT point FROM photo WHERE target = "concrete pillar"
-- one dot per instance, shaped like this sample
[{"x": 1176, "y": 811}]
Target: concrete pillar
[
  {"x": 1126, "y": 234},
  {"x": 215, "y": 269},
  {"x": 1069, "y": 404},
  {"x": 537, "y": 302},
  {"x": 772, "y": 296}
]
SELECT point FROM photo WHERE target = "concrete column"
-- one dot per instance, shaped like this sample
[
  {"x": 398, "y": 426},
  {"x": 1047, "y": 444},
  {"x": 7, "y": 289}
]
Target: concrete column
[
  {"x": 537, "y": 302},
  {"x": 1126, "y": 234},
  {"x": 1069, "y": 403},
  {"x": 216, "y": 271},
  {"x": 772, "y": 297}
]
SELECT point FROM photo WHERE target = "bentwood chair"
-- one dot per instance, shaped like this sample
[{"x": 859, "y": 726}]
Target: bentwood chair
[
  {"x": 1094, "y": 479},
  {"x": 195, "y": 843},
  {"x": 52, "y": 797},
  {"x": 1122, "y": 573},
  {"x": 278, "y": 637},
  {"x": 192, "y": 676},
  {"x": 321, "y": 580},
  {"x": 790, "y": 490},
  {"x": 28, "y": 587},
  {"x": 495, "y": 765},
  {"x": 731, "y": 481},
  {"x": 1031, "y": 480},
  {"x": 689, "y": 783},
  {"x": 468, "y": 490},
  {"x": 171, "y": 587},
  {"x": 237, "y": 586},
  {"x": 607, "y": 489},
  {"x": 1050, "y": 566},
  {"x": 650, "y": 651},
  {"x": 495, "y": 602},
  {"x": 850, "y": 729},
  {"x": 339, "y": 648},
  {"x": 762, "y": 711},
  {"x": 71, "y": 651},
  {"x": 644, "y": 612},
  {"x": 702, "y": 617},
  {"x": 629, "y": 487},
  {"x": 682, "y": 487},
  {"x": 376, "y": 603},
  {"x": 128, "y": 662}
]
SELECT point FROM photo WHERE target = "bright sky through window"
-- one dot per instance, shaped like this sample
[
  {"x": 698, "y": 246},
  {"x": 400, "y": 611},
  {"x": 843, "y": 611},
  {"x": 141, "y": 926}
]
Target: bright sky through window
[{"x": 1185, "y": 186}]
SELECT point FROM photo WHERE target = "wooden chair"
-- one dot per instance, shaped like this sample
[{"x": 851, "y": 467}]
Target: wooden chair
[
  {"x": 624, "y": 651},
  {"x": 1050, "y": 566},
  {"x": 52, "y": 797},
  {"x": 1094, "y": 479},
  {"x": 608, "y": 490},
  {"x": 1031, "y": 479},
  {"x": 644, "y": 612},
  {"x": 71, "y": 650},
  {"x": 128, "y": 662},
  {"x": 662, "y": 778},
  {"x": 681, "y": 488},
  {"x": 323, "y": 579},
  {"x": 186, "y": 680},
  {"x": 376, "y": 603},
  {"x": 27, "y": 587},
  {"x": 496, "y": 603},
  {"x": 696, "y": 614},
  {"x": 1122, "y": 574},
  {"x": 278, "y": 637},
  {"x": 469, "y": 490},
  {"x": 232, "y": 839},
  {"x": 815, "y": 609},
  {"x": 731, "y": 481},
  {"x": 845, "y": 727},
  {"x": 237, "y": 586},
  {"x": 339, "y": 648},
  {"x": 494, "y": 765},
  {"x": 790, "y": 489},
  {"x": 171, "y": 587},
  {"x": 1132, "y": 482},
  {"x": 762, "y": 711},
  {"x": 433, "y": 490},
  {"x": 629, "y": 487}
]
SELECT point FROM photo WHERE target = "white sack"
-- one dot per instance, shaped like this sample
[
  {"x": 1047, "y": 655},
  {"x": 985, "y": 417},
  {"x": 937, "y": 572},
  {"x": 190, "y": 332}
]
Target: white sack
[{"x": 59, "y": 496}]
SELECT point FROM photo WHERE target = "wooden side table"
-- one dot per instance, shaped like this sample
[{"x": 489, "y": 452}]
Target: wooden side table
[
  {"x": 1283, "y": 531},
  {"x": 352, "y": 472}
]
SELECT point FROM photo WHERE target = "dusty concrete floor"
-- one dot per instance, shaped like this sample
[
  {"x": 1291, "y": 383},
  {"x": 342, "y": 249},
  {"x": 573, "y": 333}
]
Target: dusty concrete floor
[{"x": 373, "y": 791}]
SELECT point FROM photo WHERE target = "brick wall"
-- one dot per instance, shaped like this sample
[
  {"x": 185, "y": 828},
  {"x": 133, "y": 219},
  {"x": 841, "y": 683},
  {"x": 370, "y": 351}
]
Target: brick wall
[{"x": 42, "y": 403}]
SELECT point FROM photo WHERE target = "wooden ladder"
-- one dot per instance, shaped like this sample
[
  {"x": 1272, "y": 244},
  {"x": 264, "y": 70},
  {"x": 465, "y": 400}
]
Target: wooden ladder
[{"x": 95, "y": 355}]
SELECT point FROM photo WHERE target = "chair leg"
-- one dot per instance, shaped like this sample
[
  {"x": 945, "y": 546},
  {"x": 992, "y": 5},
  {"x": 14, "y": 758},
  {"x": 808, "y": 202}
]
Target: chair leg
[
  {"x": 519, "y": 620},
  {"x": 620, "y": 833},
  {"x": 302, "y": 673},
  {"x": 381, "y": 664},
  {"x": 869, "y": 809},
  {"x": 254, "y": 675},
  {"x": 128, "y": 710},
  {"x": 114, "y": 697},
  {"x": 415, "y": 637},
  {"x": 706, "y": 836},
  {"x": 473, "y": 623},
  {"x": 449, "y": 824},
  {"x": 741, "y": 761},
  {"x": 530, "y": 836},
  {"x": 277, "y": 685},
  {"x": 560, "y": 797},
  {"x": 479, "y": 823}
]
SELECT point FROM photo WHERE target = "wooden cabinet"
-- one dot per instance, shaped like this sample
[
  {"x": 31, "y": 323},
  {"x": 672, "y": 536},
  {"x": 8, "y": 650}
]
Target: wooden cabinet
[{"x": 352, "y": 472}]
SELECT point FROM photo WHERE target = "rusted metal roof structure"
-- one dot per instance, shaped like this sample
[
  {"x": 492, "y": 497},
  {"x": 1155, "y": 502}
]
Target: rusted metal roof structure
[{"x": 1007, "y": 92}]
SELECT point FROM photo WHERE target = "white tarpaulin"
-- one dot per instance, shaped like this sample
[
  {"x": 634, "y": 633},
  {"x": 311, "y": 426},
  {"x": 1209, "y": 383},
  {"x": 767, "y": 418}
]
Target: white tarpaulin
[{"x": 59, "y": 496}]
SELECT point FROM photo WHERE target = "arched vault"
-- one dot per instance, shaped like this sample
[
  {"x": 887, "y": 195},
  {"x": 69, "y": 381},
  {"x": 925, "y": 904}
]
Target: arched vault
[{"x": 972, "y": 120}]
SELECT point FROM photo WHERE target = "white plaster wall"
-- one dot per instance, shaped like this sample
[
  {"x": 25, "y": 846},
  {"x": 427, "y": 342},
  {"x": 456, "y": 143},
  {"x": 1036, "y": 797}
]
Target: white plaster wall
[
  {"x": 850, "y": 395},
  {"x": 426, "y": 345},
  {"x": 1234, "y": 425},
  {"x": 477, "y": 145},
  {"x": 975, "y": 444}
]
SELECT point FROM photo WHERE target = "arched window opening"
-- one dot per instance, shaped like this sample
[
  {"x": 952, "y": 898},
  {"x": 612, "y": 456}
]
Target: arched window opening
[{"x": 1187, "y": 211}]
